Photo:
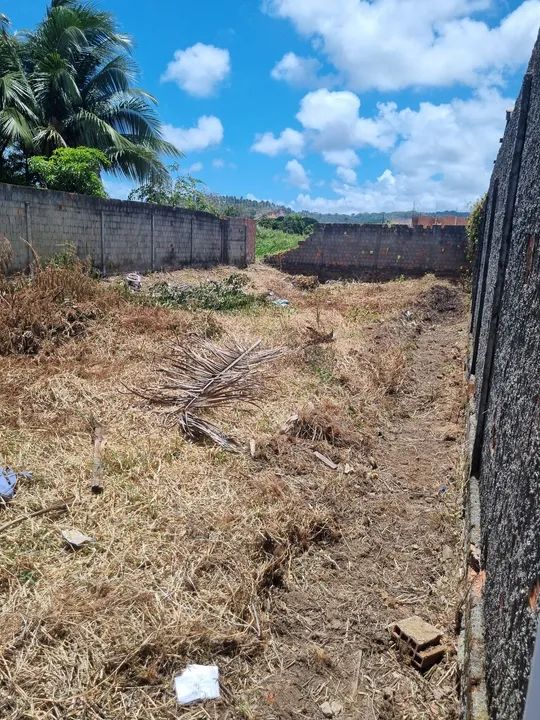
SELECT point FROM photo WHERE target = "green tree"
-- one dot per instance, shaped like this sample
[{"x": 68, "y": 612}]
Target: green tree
[
  {"x": 71, "y": 83},
  {"x": 474, "y": 226},
  {"x": 72, "y": 170},
  {"x": 17, "y": 103},
  {"x": 181, "y": 191}
]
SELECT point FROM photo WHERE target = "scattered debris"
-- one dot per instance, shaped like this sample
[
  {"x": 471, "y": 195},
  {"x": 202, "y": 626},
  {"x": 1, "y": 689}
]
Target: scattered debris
[
  {"x": 96, "y": 483},
  {"x": 62, "y": 506},
  {"x": 447, "y": 553},
  {"x": 324, "y": 422},
  {"x": 203, "y": 375},
  {"x": 420, "y": 640},
  {"x": 326, "y": 460},
  {"x": 306, "y": 282},
  {"x": 319, "y": 337},
  {"x": 196, "y": 683},
  {"x": 252, "y": 448},
  {"x": 331, "y": 709},
  {"x": 275, "y": 300},
  {"x": 347, "y": 469},
  {"x": 133, "y": 281},
  {"x": 8, "y": 482},
  {"x": 76, "y": 539},
  {"x": 440, "y": 299},
  {"x": 451, "y": 433},
  {"x": 473, "y": 558}
]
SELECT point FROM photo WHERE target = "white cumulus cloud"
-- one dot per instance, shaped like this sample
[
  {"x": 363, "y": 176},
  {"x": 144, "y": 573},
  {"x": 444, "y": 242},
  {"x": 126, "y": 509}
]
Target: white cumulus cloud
[
  {"x": 303, "y": 72},
  {"x": 335, "y": 122},
  {"x": 207, "y": 132},
  {"x": 347, "y": 175},
  {"x": 346, "y": 158},
  {"x": 290, "y": 142},
  {"x": 297, "y": 175},
  {"x": 196, "y": 167},
  {"x": 442, "y": 158},
  {"x": 198, "y": 69},
  {"x": 395, "y": 44}
]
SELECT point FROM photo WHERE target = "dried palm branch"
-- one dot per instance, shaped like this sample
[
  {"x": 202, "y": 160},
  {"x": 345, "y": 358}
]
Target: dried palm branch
[{"x": 202, "y": 376}]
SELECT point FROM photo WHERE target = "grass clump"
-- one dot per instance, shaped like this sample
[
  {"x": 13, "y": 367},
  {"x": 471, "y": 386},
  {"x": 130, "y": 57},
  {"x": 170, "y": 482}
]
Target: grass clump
[
  {"x": 227, "y": 294},
  {"x": 50, "y": 306},
  {"x": 272, "y": 242}
]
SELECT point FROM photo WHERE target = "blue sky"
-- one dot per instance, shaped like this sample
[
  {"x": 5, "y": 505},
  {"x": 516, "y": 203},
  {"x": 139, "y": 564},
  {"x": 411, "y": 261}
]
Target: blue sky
[{"x": 330, "y": 105}]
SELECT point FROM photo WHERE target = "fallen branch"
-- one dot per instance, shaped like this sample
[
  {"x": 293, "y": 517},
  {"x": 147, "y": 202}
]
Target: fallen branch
[
  {"x": 96, "y": 484},
  {"x": 202, "y": 376},
  {"x": 58, "y": 507}
]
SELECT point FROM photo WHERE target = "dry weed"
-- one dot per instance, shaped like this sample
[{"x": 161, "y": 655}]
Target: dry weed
[
  {"x": 46, "y": 308},
  {"x": 198, "y": 552}
]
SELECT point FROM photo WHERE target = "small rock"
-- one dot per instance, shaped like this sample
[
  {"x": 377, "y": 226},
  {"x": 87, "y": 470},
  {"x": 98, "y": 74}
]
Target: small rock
[
  {"x": 331, "y": 709},
  {"x": 447, "y": 552}
]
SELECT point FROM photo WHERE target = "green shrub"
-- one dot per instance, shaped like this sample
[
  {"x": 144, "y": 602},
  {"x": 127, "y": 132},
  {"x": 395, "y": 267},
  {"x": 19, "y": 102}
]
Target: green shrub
[
  {"x": 72, "y": 170},
  {"x": 271, "y": 242},
  {"x": 474, "y": 226},
  {"x": 228, "y": 294}
]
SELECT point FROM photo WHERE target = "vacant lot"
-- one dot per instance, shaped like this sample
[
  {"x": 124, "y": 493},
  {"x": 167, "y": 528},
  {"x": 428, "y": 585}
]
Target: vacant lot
[{"x": 280, "y": 570}]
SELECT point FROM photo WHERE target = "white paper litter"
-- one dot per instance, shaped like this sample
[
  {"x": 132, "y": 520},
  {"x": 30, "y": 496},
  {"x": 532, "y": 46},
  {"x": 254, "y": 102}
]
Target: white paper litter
[
  {"x": 76, "y": 539},
  {"x": 197, "y": 682}
]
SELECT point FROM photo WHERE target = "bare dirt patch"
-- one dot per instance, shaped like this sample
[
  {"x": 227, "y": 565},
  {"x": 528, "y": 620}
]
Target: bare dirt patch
[{"x": 282, "y": 571}]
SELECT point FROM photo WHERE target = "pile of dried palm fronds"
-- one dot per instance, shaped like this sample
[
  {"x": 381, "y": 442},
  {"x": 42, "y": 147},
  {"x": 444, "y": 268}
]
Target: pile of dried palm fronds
[{"x": 203, "y": 376}]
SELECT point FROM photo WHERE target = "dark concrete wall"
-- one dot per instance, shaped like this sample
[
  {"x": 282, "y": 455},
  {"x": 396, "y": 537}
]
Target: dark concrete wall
[
  {"x": 119, "y": 235},
  {"x": 377, "y": 252},
  {"x": 505, "y": 362}
]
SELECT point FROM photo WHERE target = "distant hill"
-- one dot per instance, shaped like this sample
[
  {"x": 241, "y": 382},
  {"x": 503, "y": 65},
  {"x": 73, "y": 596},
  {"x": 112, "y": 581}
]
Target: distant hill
[{"x": 230, "y": 204}]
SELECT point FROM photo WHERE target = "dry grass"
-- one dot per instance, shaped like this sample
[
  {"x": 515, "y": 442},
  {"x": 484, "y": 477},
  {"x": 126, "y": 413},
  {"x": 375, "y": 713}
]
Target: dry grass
[
  {"x": 48, "y": 308},
  {"x": 195, "y": 547}
]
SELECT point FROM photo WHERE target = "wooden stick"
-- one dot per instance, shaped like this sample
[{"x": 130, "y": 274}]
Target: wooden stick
[
  {"x": 96, "y": 484},
  {"x": 64, "y": 505}
]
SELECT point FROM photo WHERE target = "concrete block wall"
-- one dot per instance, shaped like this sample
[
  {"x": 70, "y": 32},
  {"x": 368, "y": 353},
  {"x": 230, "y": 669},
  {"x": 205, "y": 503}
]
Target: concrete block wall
[
  {"x": 377, "y": 252},
  {"x": 504, "y": 366},
  {"x": 119, "y": 235}
]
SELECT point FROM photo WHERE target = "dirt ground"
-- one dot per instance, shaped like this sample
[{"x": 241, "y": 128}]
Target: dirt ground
[{"x": 280, "y": 570}]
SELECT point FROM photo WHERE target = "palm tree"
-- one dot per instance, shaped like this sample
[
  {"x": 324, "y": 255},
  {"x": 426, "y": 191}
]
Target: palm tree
[
  {"x": 79, "y": 90},
  {"x": 17, "y": 104}
]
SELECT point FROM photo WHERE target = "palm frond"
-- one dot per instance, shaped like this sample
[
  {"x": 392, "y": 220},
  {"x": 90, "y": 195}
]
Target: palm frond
[
  {"x": 49, "y": 137},
  {"x": 204, "y": 376},
  {"x": 14, "y": 127}
]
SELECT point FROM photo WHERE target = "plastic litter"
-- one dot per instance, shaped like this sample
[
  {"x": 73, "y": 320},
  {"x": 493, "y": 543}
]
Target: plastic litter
[
  {"x": 8, "y": 482},
  {"x": 76, "y": 539},
  {"x": 133, "y": 281},
  {"x": 196, "y": 683},
  {"x": 275, "y": 300}
]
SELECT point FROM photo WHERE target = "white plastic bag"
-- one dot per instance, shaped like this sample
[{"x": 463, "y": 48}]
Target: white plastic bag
[{"x": 197, "y": 682}]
